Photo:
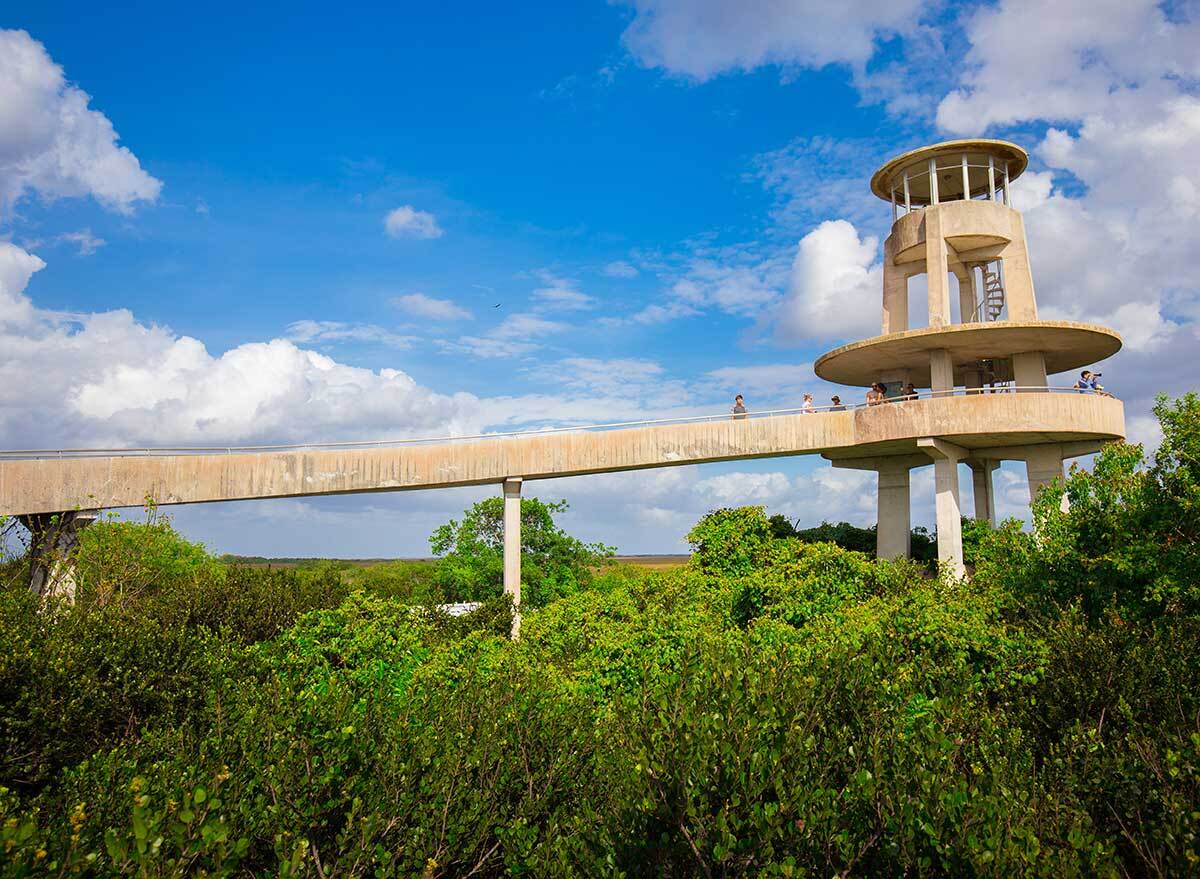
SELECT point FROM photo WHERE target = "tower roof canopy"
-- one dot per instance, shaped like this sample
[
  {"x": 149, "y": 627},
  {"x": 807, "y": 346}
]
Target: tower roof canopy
[{"x": 949, "y": 155}]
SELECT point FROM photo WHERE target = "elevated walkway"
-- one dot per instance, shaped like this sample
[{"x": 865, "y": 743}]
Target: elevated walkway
[{"x": 993, "y": 425}]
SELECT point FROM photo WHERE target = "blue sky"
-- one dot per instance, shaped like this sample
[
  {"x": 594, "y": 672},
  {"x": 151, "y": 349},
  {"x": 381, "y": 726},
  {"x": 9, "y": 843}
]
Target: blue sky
[{"x": 296, "y": 225}]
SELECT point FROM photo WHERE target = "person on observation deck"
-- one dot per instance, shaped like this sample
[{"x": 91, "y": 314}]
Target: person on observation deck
[
  {"x": 807, "y": 406},
  {"x": 875, "y": 395},
  {"x": 739, "y": 407},
  {"x": 837, "y": 404},
  {"x": 908, "y": 392},
  {"x": 1089, "y": 381}
]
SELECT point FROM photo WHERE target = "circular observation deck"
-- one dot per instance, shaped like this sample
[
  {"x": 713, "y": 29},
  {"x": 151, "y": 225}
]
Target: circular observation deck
[
  {"x": 986, "y": 165},
  {"x": 984, "y": 421},
  {"x": 1067, "y": 345}
]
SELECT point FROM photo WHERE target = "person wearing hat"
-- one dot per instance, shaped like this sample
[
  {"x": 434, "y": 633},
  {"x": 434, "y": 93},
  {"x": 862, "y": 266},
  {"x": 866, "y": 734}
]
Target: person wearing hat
[{"x": 837, "y": 404}]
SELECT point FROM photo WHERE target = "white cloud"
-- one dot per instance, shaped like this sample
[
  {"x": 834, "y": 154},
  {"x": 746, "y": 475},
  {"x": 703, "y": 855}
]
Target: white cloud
[
  {"x": 620, "y": 269},
  {"x": 514, "y": 336},
  {"x": 653, "y": 314},
  {"x": 106, "y": 379},
  {"x": 84, "y": 240},
  {"x": 560, "y": 294},
  {"x": 836, "y": 286},
  {"x": 700, "y": 39},
  {"x": 420, "y": 305},
  {"x": 1115, "y": 224},
  {"x": 1066, "y": 60},
  {"x": 52, "y": 143},
  {"x": 408, "y": 222},
  {"x": 772, "y": 382},
  {"x": 305, "y": 331},
  {"x": 16, "y": 268}
]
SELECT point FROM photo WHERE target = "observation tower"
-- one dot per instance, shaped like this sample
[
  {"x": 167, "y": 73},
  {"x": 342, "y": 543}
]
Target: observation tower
[{"x": 979, "y": 343}]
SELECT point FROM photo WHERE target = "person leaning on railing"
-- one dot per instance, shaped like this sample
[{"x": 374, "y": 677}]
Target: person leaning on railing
[
  {"x": 875, "y": 396},
  {"x": 739, "y": 407}
]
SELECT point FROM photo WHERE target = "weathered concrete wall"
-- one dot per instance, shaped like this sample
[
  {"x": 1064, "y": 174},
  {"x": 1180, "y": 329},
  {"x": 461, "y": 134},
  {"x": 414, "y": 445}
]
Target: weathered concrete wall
[{"x": 35, "y": 486}]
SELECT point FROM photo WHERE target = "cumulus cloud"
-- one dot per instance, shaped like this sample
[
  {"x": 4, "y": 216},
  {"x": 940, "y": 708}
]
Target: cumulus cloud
[
  {"x": 408, "y": 222},
  {"x": 52, "y": 143},
  {"x": 1066, "y": 60},
  {"x": 836, "y": 286},
  {"x": 16, "y": 268},
  {"x": 1115, "y": 223},
  {"x": 700, "y": 39},
  {"x": 107, "y": 379},
  {"x": 420, "y": 305}
]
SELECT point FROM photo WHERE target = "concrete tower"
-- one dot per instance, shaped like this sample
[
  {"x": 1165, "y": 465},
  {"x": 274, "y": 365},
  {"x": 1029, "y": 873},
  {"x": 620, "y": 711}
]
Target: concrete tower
[{"x": 956, "y": 233}]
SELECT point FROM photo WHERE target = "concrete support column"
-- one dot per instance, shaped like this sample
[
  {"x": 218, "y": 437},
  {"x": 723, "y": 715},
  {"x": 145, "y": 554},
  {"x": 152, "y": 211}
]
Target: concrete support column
[
  {"x": 966, "y": 294},
  {"x": 512, "y": 549},
  {"x": 1043, "y": 464},
  {"x": 1029, "y": 369},
  {"x": 937, "y": 268},
  {"x": 985, "y": 498},
  {"x": 949, "y": 512},
  {"x": 52, "y": 539},
  {"x": 941, "y": 372},
  {"x": 893, "y": 533}
]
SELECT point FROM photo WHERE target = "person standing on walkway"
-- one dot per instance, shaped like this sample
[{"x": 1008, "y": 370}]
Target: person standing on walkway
[
  {"x": 739, "y": 407},
  {"x": 837, "y": 404},
  {"x": 807, "y": 407},
  {"x": 875, "y": 395}
]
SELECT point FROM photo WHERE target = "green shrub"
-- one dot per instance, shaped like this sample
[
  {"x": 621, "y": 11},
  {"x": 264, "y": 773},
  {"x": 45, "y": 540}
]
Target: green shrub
[
  {"x": 727, "y": 541},
  {"x": 118, "y": 561}
]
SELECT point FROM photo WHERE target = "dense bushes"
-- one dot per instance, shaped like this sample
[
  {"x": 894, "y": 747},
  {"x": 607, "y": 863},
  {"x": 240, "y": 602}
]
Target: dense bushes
[{"x": 777, "y": 707}]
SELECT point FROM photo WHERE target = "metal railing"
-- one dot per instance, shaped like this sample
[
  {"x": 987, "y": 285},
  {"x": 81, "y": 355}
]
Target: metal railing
[{"x": 529, "y": 432}]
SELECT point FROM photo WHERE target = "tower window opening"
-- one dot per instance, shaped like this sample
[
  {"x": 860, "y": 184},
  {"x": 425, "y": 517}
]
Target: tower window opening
[{"x": 964, "y": 176}]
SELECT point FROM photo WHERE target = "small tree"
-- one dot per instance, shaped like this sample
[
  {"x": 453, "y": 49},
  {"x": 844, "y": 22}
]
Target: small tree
[
  {"x": 553, "y": 563},
  {"x": 1129, "y": 536},
  {"x": 727, "y": 541}
]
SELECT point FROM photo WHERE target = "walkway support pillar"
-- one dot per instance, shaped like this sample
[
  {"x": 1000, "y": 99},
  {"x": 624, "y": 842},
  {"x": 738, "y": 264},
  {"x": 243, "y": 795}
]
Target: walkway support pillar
[
  {"x": 1043, "y": 464},
  {"x": 512, "y": 550},
  {"x": 52, "y": 539},
  {"x": 893, "y": 529},
  {"x": 946, "y": 456},
  {"x": 985, "y": 498},
  {"x": 893, "y": 535}
]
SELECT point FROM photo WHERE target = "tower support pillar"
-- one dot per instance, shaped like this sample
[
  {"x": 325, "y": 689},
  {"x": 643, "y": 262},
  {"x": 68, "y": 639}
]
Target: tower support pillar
[
  {"x": 985, "y": 498},
  {"x": 1043, "y": 464},
  {"x": 946, "y": 456},
  {"x": 512, "y": 550}
]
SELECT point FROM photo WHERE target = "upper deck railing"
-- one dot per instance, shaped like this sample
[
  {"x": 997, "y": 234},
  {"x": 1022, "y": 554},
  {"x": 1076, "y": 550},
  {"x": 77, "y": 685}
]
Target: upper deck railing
[{"x": 26, "y": 454}]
